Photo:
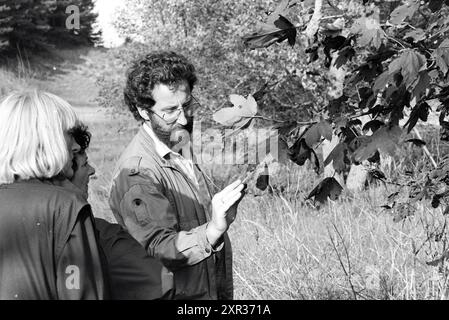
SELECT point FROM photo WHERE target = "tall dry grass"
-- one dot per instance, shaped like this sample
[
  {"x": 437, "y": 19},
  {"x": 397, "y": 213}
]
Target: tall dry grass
[
  {"x": 16, "y": 75},
  {"x": 349, "y": 249},
  {"x": 9, "y": 82}
]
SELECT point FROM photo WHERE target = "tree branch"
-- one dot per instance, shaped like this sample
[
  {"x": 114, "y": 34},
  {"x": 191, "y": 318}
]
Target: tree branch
[
  {"x": 329, "y": 2},
  {"x": 438, "y": 33},
  {"x": 314, "y": 23},
  {"x": 422, "y": 13},
  {"x": 426, "y": 150},
  {"x": 333, "y": 17},
  {"x": 397, "y": 41}
]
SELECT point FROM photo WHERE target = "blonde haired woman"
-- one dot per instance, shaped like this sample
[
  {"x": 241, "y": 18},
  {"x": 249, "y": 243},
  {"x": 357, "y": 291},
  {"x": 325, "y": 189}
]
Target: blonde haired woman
[{"x": 48, "y": 246}]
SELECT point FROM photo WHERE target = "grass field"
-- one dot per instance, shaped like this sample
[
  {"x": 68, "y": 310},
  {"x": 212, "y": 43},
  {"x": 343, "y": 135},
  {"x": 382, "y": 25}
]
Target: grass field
[{"x": 284, "y": 248}]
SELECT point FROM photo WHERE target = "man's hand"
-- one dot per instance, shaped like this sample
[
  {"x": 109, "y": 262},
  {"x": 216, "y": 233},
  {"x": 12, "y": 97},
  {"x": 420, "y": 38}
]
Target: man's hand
[{"x": 224, "y": 209}]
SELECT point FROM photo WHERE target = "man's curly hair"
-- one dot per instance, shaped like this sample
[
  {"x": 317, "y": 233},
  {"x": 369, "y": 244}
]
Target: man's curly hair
[{"x": 160, "y": 67}]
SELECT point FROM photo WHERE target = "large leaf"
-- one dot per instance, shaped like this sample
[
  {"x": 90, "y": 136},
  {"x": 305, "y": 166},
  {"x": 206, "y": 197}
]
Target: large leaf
[
  {"x": 385, "y": 140},
  {"x": 441, "y": 55},
  {"x": 420, "y": 111},
  {"x": 282, "y": 10},
  {"x": 381, "y": 81},
  {"x": 344, "y": 55},
  {"x": 261, "y": 92},
  {"x": 373, "y": 65},
  {"x": 315, "y": 132},
  {"x": 299, "y": 152},
  {"x": 416, "y": 142},
  {"x": 242, "y": 109},
  {"x": 383, "y": 54},
  {"x": 329, "y": 188},
  {"x": 338, "y": 157},
  {"x": 337, "y": 106},
  {"x": 401, "y": 13},
  {"x": 435, "y": 5},
  {"x": 277, "y": 29},
  {"x": 263, "y": 180},
  {"x": 269, "y": 34},
  {"x": 366, "y": 72},
  {"x": 409, "y": 63},
  {"x": 397, "y": 99},
  {"x": 369, "y": 31},
  {"x": 416, "y": 34},
  {"x": 403, "y": 211},
  {"x": 367, "y": 102},
  {"x": 373, "y": 125},
  {"x": 420, "y": 85}
]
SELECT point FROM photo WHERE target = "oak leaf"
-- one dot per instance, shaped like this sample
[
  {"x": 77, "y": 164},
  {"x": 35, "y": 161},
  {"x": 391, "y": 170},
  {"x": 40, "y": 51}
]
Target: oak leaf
[
  {"x": 441, "y": 55},
  {"x": 403, "y": 12},
  {"x": 243, "y": 108},
  {"x": 321, "y": 129},
  {"x": 329, "y": 188},
  {"x": 369, "y": 31},
  {"x": 385, "y": 139}
]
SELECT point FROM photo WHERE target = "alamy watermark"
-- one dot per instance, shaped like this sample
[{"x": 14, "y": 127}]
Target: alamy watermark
[
  {"x": 72, "y": 281},
  {"x": 222, "y": 147},
  {"x": 73, "y": 20}
]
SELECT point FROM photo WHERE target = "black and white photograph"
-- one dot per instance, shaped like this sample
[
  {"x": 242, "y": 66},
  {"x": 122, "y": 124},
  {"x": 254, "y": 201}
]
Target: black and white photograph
[{"x": 224, "y": 150}]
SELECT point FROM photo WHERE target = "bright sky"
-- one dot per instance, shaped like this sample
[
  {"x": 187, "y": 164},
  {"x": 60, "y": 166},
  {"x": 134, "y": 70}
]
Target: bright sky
[{"x": 105, "y": 9}]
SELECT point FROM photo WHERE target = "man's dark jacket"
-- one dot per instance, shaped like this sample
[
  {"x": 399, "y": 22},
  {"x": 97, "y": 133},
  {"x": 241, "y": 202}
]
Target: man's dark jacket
[{"x": 162, "y": 208}]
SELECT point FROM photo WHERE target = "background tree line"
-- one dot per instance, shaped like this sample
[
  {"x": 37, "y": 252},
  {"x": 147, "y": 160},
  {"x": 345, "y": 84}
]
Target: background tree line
[{"x": 37, "y": 25}]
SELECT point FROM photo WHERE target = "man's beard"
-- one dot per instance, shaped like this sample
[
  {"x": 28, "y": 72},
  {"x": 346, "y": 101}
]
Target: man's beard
[{"x": 166, "y": 134}]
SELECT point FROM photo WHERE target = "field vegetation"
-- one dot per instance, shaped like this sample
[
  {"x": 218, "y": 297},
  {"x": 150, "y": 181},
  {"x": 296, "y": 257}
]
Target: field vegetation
[{"x": 359, "y": 246}]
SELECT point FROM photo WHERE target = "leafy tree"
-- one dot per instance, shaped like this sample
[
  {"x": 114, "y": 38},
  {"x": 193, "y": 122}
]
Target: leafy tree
[
  {"x": 397, "y": 55},
  {"x": 5, "y": 21},
  {"x": 385, "y": 60}
]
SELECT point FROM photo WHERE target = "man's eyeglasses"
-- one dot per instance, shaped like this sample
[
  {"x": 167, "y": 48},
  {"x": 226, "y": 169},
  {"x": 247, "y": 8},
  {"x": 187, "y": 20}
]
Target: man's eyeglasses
[{"x": 189, "y": 109}]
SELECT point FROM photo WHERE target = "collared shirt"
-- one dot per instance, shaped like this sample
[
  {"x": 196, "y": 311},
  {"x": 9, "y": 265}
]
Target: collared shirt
[{"x": 185, "y": 164}]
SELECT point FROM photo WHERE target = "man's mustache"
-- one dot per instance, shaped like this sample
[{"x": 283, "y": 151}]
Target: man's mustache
[{"x": 188, "y": 127}]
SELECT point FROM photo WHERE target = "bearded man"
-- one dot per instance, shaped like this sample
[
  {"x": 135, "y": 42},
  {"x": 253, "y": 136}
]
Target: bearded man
[{"x": 160, "y": 196}]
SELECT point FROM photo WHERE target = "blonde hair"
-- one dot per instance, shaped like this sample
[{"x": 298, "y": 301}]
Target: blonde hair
[{"x": 33, "y": 130}]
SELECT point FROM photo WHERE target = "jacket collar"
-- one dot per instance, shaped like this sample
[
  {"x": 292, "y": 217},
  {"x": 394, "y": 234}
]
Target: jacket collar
[
  {"x": 161, "y": 148},
  {"x": 146, "y": 142}
]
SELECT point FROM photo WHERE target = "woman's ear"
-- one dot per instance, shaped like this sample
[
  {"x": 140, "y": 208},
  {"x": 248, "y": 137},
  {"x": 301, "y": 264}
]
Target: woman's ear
[{"x": 144, "y": 113}]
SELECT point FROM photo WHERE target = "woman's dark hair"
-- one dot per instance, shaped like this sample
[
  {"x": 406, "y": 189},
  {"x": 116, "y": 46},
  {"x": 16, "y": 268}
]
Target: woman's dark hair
[
  {"x": 160, "y": 67},
  {"x": 81, "y": 135}
]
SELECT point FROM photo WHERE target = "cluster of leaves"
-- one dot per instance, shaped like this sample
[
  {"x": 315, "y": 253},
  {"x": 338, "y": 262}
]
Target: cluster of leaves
[
  {"x": 277, "y": 28},
  {"x": 399, "y": 72},
  {"x": 416, "y": 186}
]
